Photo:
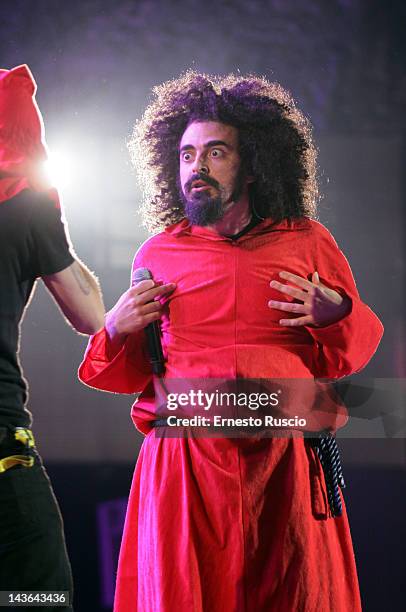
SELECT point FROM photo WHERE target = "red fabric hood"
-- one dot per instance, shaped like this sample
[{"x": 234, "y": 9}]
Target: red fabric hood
[{"x": 22, "y": 139}]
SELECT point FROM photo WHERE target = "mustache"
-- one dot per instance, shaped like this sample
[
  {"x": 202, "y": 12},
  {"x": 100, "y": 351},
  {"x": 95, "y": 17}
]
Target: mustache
[{"x": 201, "y": 177}]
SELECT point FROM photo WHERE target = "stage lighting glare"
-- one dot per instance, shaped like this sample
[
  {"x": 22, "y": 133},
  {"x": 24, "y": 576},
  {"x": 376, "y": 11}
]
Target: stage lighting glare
[{"x": 58, "y": 170}]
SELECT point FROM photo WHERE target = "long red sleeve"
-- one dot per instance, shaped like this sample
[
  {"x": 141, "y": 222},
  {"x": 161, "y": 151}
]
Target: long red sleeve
[
  {"x": 126, "y": 372},
  {"x": 346, "y": 346}
]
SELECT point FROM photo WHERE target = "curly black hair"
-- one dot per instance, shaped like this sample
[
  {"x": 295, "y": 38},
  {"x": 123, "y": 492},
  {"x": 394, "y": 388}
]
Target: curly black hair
[{"x": 275, "y": 144}]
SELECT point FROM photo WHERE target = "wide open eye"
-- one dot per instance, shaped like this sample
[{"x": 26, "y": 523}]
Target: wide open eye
[
  {"x": 216, "y": 153},
  {"x": 186, "y": 156}
]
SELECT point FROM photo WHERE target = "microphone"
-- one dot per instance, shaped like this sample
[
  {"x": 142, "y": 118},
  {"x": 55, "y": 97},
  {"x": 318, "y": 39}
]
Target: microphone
[{"x": 152, "y": 330}]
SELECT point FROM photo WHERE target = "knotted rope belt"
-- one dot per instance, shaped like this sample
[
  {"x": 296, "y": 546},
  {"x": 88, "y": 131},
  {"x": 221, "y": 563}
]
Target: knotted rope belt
[
  {"x": 327, "y": 451},
  {"x": 27, "y": 459},
  {"x": 325, "y": 446}
]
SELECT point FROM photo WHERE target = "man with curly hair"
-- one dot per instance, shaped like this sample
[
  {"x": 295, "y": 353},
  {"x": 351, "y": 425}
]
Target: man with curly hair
[{"x": 235, "y": 524}]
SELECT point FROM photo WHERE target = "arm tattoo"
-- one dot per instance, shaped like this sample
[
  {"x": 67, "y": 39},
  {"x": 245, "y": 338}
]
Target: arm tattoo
[{"x": 81, "y": 279}]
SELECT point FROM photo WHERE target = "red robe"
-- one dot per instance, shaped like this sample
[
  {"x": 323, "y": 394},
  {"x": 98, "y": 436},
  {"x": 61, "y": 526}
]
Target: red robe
[{"x": 235, "y": 524}]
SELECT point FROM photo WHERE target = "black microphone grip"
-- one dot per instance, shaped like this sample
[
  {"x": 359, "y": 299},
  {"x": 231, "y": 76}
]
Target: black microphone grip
[{"x": 152, "y": 330}]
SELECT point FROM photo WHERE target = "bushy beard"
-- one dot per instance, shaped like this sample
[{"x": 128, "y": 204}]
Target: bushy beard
[{"x": 202, "y": 209}]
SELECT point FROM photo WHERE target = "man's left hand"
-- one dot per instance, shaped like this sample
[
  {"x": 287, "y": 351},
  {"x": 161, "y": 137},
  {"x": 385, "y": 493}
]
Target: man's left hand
[{"x": 320, "y": 305}]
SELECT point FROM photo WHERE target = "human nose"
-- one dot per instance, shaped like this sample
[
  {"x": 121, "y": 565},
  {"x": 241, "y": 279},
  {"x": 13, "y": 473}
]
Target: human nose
[{"x": 200, "y": 166}]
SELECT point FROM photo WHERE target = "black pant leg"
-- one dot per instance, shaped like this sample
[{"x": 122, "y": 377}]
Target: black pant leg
[{"x": 33, "y": 554}]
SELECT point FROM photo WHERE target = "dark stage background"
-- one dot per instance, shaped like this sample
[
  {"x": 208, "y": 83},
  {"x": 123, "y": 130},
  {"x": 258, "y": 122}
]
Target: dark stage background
[{"x": 95, "y": 63}]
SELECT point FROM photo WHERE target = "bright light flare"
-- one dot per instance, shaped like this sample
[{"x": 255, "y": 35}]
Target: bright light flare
[{"x": 58, "y": 170}]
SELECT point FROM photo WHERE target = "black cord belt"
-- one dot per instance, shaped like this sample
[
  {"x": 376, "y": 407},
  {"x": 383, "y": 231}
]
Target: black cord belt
[
  {"x": 325, "y": 446},
  {"x": 159, "y": 423},
  {"x": 327, "y": 451}
]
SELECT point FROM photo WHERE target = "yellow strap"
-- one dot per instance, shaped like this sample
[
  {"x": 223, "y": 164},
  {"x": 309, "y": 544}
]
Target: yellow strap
[
  {"x": 25, "y": 436},
  {"x": 8, "y": 462}
]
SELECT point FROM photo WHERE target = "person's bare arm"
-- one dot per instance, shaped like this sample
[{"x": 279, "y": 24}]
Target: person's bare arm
[{"x": 78, "y": 295}]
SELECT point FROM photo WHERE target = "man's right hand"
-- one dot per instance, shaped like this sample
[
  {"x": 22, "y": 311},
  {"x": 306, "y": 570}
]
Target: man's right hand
[{"x": 135, "y": 309}]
